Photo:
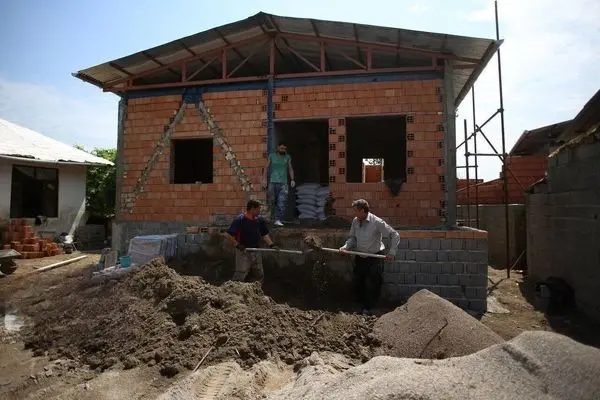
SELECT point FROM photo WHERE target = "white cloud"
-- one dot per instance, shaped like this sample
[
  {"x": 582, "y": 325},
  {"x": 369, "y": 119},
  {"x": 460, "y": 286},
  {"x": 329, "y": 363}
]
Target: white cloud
[
  {"x": 91, "y": 122},
  {"x": 549, "y": 68}
]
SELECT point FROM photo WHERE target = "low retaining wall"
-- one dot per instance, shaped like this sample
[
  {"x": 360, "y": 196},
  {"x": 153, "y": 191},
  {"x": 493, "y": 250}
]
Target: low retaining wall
[{"x": 451, "y": 263}]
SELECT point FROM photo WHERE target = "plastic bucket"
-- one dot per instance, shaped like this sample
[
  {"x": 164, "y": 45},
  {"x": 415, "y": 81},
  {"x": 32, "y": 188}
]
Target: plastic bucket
[{"x": 125, "y": 261}]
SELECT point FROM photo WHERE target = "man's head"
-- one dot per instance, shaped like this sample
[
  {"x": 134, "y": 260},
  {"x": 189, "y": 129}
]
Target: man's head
[
  {"x": 253, "y": 208},
  {"x": 361, "y": 208},
  {"x": 282, "y": 148}
]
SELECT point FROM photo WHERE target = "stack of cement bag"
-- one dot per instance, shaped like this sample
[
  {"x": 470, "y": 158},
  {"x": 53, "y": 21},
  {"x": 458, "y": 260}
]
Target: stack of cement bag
[{"x": 311, "y": 198}]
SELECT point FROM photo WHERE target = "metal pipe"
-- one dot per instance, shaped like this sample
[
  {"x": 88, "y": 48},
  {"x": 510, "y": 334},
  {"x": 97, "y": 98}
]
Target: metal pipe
[
  {"x": 504, "y": 174},
  {"x": 476, "y": 163},
  {"x": 485, "y": 154},
  {"x": 479, "y": 128},
  {"x": 260, "y": 249},
  {"x": 467, "y": 167}
]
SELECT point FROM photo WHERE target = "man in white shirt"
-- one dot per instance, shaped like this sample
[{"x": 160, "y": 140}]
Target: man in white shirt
[{"x": 366, "y": 234}]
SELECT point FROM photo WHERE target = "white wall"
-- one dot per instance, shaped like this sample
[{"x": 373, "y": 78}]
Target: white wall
[{"x": 71, "y": 195}]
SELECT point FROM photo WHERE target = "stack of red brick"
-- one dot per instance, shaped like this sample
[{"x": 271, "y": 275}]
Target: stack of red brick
[{"x": 22, "y": 238}]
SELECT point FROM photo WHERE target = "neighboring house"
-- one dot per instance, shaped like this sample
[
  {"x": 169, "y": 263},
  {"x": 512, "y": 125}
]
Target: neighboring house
[
  {"x": 40, "y": 176},
  {"x": 200, "y": 114},
  {"x": 563, "y": 212}
]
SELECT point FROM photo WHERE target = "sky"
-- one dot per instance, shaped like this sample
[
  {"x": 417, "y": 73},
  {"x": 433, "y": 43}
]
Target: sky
[{"x": 549, "y": 57}]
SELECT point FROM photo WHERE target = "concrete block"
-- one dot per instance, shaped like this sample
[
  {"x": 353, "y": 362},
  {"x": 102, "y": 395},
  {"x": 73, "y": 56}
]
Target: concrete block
[
  {"x": 431, "y": 279},
  {"x": 435, "y": 244},
  {"x": 478, "y": 280},
  {"x": 450, "y": 291},
  {"x": 457, "y": 244},
  {"x": 478, "y": 305},
  {"x": 481, "y": 293},
  {"x": 464, "y": 256},
  {"x": 463, "y": 279},
  {"x": 421, "y": 279},
  {"x": 403, "y": 244},
  {"x": 453, "y": 279},
  {"x": 478, "y": 256},
  {"x": 425, "y": 244},
  {"x": 477, "y": 268},
  {"x": 442, "y": 279},
  {"x": 415, "y": 267},
  {"x": 421, "y": 255},
  {"x": 431, "y": 256},
  {"x": 391, "y": 291},
  {"x": 400, "y": 255},
  {"x": 471, "y": 244},
  {"x": 409, "y": 278},
  {"x": 403, "y": 291},
  {"x": 482, "y": 244},
  {"x": 446, "y": 244},
  {"x": 471, "y": 292},
  {"x": 435, "y": 268},
  {"x": 410, "y": 255},
  {"x": 424, "y": 268},
  {"x": 463, "y": 303},
  {"x": 413, "y": 243},
  {"x": 442, "y": 256},
  {"x": 447, "y": 268},
  {"x": 452, "y": 256},
  {"x": 388, "y": 268},
  {"x": 404, "y": 266},
  {"x": 399, "y": 278},
  {"x": 458, "y": 268}
]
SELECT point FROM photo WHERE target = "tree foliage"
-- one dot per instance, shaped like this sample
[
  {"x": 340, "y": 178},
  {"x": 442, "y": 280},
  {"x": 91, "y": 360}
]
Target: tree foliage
[{"x": 101, "y": 188}]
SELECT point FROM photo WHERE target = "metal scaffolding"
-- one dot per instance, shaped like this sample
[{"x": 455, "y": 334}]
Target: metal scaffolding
[{"x": 503, "y": 156}]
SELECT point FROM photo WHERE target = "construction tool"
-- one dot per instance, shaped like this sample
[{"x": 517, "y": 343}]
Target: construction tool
[
  {"x": 356, "y": 253},
  {"x": 274, "y": 250}
]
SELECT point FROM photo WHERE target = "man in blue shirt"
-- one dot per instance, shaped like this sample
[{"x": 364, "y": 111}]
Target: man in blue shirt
[
  {"x": 280, "y": 164},
  {"x": 246, "y": 231}
]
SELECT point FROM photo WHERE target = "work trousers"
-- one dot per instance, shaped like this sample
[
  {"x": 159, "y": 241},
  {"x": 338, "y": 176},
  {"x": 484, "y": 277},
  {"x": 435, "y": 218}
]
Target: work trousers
[
  {"x": 368, "y": 278},
  {"x": 278, "y": 195},
  {"x": 248, "y": 264}
]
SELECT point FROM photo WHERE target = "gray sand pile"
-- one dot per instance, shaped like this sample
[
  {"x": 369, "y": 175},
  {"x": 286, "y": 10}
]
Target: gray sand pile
[
  {"x": 428, "y": 326},
  {"x": 534, "y": 365}
]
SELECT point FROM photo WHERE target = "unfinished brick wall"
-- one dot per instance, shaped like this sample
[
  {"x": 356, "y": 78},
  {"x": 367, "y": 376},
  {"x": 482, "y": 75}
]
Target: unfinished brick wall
[
  {"x": 242, "y": 115},
  {"x": 526, "y": 170}
]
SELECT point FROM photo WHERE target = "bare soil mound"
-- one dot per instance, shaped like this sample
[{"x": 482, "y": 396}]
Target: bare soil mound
[
  {"x": 428, "y": 326},
  {"x": 156, "y": 316}
]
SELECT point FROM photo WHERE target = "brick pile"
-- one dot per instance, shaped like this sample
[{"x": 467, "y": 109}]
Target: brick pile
[{"x": 22, "y": 238}]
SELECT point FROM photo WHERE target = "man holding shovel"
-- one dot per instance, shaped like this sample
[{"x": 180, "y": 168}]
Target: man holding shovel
[
  {"x": 246, "y": 231},
  {"x": 366, "y": 233}
]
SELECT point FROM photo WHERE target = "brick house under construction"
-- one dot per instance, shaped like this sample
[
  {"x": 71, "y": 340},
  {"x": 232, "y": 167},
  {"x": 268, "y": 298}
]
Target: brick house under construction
[{"x": 199, "y": 115}]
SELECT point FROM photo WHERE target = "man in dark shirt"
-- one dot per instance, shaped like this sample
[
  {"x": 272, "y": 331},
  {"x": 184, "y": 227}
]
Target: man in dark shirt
[{"x": 246, "y": 230}]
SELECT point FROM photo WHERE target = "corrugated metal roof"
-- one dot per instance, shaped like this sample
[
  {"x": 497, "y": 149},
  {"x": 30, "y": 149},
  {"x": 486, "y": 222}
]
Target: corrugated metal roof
[
  {"x": 538, "y": 140},
  {"x": 20, "y": 142},
  {"x": 588, "y": 116},
  {"x": 478, "y": 49}
]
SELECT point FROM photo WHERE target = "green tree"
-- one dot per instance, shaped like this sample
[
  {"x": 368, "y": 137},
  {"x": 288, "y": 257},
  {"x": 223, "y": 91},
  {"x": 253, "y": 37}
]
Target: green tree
[{"x": 101, "y": 188}]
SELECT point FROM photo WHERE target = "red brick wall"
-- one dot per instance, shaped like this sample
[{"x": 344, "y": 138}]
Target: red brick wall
[
  {"x": 242, "y": 114},
  {"x": 526, "y": 170}
]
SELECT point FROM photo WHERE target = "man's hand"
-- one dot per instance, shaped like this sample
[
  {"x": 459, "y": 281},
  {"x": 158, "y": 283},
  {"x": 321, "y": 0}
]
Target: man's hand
[
  {"x": 389, "y": 257},
  {"x": 293, "y": 184},
  {"x": 240, "y": 247},
  {"x": 264, "y": 184},
  {"x": 344, "y": 251}
]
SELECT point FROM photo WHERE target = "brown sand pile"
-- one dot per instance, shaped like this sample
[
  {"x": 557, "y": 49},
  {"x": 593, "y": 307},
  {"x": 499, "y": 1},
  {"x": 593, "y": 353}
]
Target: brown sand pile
[
  {"x": 156, "y": 316},
  {"x": 313, "y": 241},
  {"x": 428, "y": 326}
]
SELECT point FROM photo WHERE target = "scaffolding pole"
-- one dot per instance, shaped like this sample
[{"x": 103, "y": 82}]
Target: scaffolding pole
[{"x": 502, "y": 156}]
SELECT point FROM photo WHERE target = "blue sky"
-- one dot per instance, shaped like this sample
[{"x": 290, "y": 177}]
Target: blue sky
[{"x": 550, "y": 57}]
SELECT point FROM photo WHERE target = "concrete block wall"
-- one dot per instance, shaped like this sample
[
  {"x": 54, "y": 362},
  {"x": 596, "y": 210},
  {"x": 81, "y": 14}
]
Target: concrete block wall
[
  {"x": 563, "y": 224},
  {"x": 242, "y": 115}
]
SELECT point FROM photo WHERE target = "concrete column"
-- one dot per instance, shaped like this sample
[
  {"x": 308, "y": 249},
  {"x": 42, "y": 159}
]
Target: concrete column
[
  {"x": 450, "y": 143},
  {"x": 116, "y": 226}
]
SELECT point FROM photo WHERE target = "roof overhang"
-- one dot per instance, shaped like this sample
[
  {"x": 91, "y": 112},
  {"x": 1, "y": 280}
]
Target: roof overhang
[{"x": 269, "y": 45}]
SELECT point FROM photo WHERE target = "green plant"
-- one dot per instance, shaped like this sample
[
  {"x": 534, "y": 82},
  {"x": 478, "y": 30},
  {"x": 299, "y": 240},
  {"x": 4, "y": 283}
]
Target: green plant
[{"x": 101, "y": 185}]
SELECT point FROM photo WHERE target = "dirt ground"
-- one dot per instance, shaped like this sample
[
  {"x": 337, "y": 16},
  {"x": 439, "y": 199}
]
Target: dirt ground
[{"x": 133, "y": 333}]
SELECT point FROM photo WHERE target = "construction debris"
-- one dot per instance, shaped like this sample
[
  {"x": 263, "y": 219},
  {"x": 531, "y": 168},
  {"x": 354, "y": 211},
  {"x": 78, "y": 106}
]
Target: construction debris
[
  {"x": 428, "y": 326},
  {"x": 156, "y": 316}
]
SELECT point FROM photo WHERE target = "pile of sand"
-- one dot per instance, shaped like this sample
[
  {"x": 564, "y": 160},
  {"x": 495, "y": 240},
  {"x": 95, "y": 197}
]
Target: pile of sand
[
  {"x": 428, "y": 326},
  {"x": 534, "y": 365},
  {"x": 155, "y": 316}
]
